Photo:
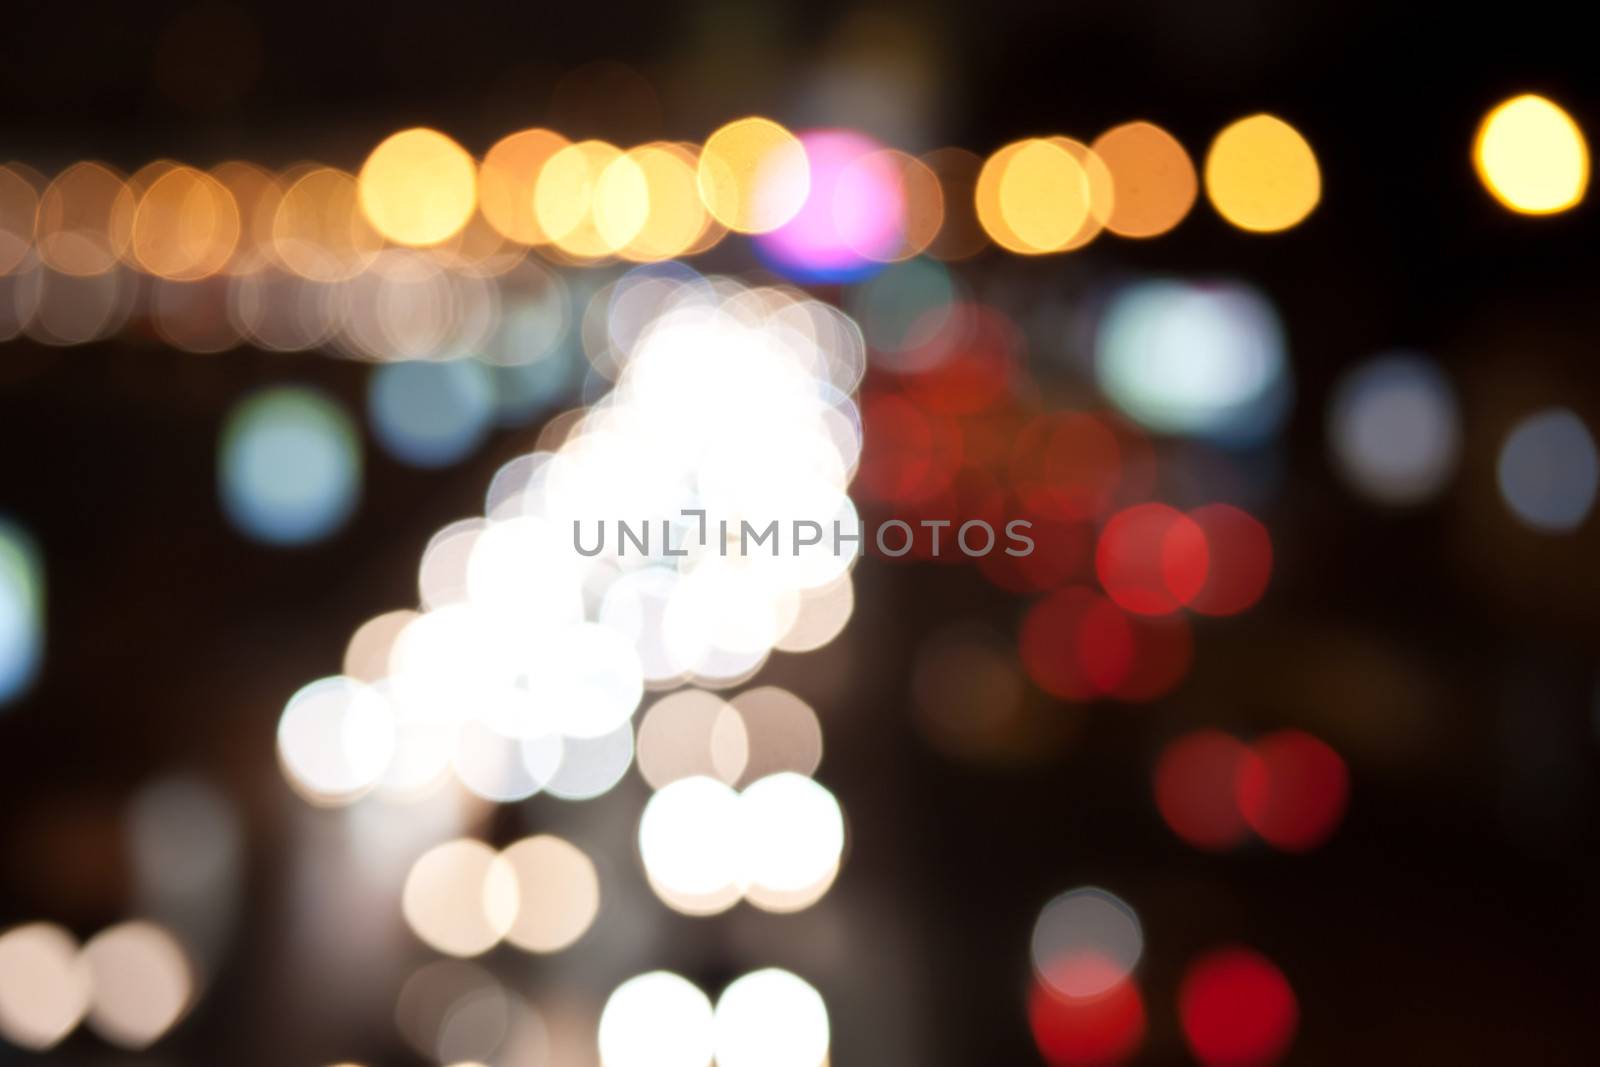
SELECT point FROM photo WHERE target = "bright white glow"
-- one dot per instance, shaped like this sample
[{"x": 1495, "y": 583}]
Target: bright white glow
[
  {"x": 335, "y": 738},
  {"x": 656, "y": 1020},
  {"x": 792, "y": 834},
  {"x": 1086, "y": 941},
  {"x": 771, "y": 1018},
  {"x": 1201, "y": 360},
  {"x": 689, "y": 840}
]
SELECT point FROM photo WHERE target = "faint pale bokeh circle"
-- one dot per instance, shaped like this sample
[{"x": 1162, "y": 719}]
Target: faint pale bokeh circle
[
  {"x": 1395, "y": 429},
  {"x": 1548, "y": 470},
  {"x": 289, "y": 466},
  {"x": 461, "y": 897},
  {"x": 1085, "y": 941},
  {"x": 143, "y": 983},
  {"x": 559, "y": 893}
]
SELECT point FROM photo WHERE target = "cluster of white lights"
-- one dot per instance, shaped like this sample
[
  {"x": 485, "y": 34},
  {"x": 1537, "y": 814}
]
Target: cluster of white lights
[
  {"x": 777, "y": 844},
  {"x": 524, "y": 666},
  {"x": 768, "y": 1018}
]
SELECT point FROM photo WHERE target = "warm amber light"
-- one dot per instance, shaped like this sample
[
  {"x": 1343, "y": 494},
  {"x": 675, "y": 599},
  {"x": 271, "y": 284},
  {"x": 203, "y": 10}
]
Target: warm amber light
[
  {"x": 256, "y": 193},
  {"x": 754, "y": 175},
  {"x": 1153, "y": 177},
  {"x": 1261, "y": 175},
  {"x": 1102, "y": 193},
  {"x": 84, "y": 220},
  {"x": 1032, "y": 197},
  {"x": 507, "y": 180},
  {"x": 319, "y": 232},
  {"x": 418, "y": 187},
  {"x": 186, "y": 226},
  {"x": 1531, "y": 156},
  {"x": 676, "y": 218}
]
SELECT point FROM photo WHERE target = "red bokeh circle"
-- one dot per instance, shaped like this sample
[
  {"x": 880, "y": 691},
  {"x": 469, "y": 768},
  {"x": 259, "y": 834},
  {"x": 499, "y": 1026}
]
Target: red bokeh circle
[{"x": 1237, "y": 1009}]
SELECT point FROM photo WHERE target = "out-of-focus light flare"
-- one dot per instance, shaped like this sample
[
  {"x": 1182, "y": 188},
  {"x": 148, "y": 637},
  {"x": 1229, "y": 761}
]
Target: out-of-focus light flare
[
  {"x": 418, "y": 187},
  {"x": 1201, "y": 360},
  {"x": 586, "y": 209},
  {"x": 319, "y": 230},
  {"x": 558, "y": 893},
  {"x": 288, "y": 466},
  {"x": 853, "y": 217},
  {"x": 692, "y": 733},
  {"x": 1293, "y": 789},
  {"x": 1032, "y": 197},
  {"x": 45, "y": 985},
  {"x": 1548, "y": 470},
  {"x": 1237, "y": 1009},
  {"x": 19, "y": 207},
  {"x": 781, "y": 733},
  {"x": 1077, "y": 645},
  {"x": 921, "y": 198},
  {"x": 85, "y": 219},
  {"x": 429, "y": 414},
  {"x": 688, "y": 841},
  {"x": 256, "y": 193},
  {"x": 1195, "y": 789},
  {"x": 461, "y": 897},
  {"x": 771, "y": 1018},
  {"x": 335, "y": 739},
  {"x": 1261, "y": 174},
  {"x": 592, "y": 766},
  {"x": 792, "y": 842},
  {"x": 1153, "y": 177},
  {"x": 1102, "y": 192},
  {"x": 1152, "y": 559},
  {"x": 753, "y": 175},
  {"x": 22, "y": 612},
  {"x": 1531, "y": 156},
  {"x": 1066, "y": 465},
  {"x": 143, "y": 983},
  {"x": 1097, "y": 1031},
  {"x": 657, "y": 1020},
  {"x": 186, "y": 226},
  {"x": 507, "y": 180},
  {"x": 704, "y": 846},
  {"x": 1238, "y": 560},
  {"x": 1394, "y": 428},
  {"x": 1085, "y": 942},
  {"x": 676, "y": 219}
]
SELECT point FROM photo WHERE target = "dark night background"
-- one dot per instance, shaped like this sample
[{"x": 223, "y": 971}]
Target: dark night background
[{"x": 1447, "y": 653}]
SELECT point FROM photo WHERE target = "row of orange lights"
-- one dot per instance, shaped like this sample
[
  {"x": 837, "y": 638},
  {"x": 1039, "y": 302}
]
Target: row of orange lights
[{"x": 587, "y": 201}]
